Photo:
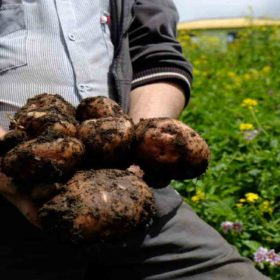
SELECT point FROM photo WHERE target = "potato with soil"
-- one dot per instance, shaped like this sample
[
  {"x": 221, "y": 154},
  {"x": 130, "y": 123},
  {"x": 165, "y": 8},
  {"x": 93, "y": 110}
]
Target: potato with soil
[
  {"x": 98, "y": 107},
  {"x": 39, "y": 163},
  {"x": 45, "y": 113},
  {"x": 170, "y": 149},
  {"x": 44, "y": 159},
  {"x": 99, "y": 205},
  {"x": 107, "y": 140},
  {"x": 39, "y": 121},
  {"x": 47, "y": 101}
]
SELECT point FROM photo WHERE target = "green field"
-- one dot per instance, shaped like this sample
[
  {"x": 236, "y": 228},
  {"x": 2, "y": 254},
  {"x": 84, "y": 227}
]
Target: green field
[{"x": 235, "y": 106}]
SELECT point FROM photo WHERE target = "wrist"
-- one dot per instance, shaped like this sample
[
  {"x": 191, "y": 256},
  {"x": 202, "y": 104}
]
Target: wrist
[{"x": 162, "y": 99}]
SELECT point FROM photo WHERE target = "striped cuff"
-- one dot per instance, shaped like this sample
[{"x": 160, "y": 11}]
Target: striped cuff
[{"x": 164, "y": 74}]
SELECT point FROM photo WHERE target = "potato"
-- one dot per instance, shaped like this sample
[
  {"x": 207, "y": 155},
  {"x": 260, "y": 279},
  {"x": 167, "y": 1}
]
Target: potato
[
  {"x": 44, "y": 159},
  {"x": 99, "y": 205},
  {"x": 98, "y": 107},
  {"x": 47, "y": 101},
  {"x": 107, "y": 140},
  {"x": 39, "y": 121},
  {"x": 169, "y": 148}
]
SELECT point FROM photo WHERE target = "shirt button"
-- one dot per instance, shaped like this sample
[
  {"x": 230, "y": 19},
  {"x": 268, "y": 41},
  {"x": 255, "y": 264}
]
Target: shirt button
[
  {"x": 81, "y": 87},
  {"x": 71, "y": 36}
]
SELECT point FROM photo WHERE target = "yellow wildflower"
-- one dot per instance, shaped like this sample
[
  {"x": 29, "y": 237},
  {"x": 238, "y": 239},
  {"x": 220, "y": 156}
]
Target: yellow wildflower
[
  {"x": 232, "y": 74},
  {"x": 254, "y": 73},
  {"x": 196, "y": 72},
  {"x": 249, "y": 103},
  {"x": 252, "y": 197},
  {"x": 200, "y": 195},
  {"x": 247, "y": 77},
  {"x": 240, "y": 203},
  {"x": 203, "y": 57},
  {"x": 197, "y": 62},
  {"x": 195, "y": 198},
  {"x": 246, "y": 126},
  {"x": 265, "y": 207},
  {"x": 237, "y": 81},
  {"x": 266, "y": 69}
]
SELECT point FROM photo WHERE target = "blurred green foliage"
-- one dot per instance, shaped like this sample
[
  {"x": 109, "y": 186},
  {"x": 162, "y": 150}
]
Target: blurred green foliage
[{"x": 244, "y": 139}]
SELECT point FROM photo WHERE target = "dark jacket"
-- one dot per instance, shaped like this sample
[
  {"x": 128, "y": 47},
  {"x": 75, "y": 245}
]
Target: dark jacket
[{"x": 146, "y": 49}]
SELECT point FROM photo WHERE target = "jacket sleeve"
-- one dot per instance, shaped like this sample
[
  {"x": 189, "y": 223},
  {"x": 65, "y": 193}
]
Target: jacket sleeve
[{"x": 156, "y": 54}]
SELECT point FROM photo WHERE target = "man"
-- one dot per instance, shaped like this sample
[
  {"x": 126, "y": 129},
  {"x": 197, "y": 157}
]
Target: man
[{"x": 125, "y": 50}]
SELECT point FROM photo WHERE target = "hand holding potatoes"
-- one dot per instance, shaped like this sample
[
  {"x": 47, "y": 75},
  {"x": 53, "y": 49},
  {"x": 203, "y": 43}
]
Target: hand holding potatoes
[{"x": 74, "y": 164}]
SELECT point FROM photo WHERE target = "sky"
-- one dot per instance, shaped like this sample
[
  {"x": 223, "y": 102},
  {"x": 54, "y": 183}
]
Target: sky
[{"x": 202, "y": 9}]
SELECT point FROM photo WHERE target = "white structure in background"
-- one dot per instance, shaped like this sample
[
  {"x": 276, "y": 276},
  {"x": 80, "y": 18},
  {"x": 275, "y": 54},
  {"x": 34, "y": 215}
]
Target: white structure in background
[
  {"x": 191, "y": 10},
  {"x": 223, "y": 18}
]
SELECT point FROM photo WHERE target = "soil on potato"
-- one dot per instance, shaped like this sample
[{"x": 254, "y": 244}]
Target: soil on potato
[
  {"x": 39, "y": 121},
  {"x": 44, "y": 159},
  {"x": 49, "y": 101},
  {"x": 99, "y": 205},
  {"x": 107, "y": 141},
  {"x": 98, "y": 107},
  {"x": 169, "y": 147}
]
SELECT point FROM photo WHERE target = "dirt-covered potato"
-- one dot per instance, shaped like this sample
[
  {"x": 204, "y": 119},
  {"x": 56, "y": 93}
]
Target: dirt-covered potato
[
  {"x": 39, "y": 121},
  {"x": 107, "y": 140},
  {"x": 44, "y": 159},
  {"x": 11, "y": 139},
  {"x": 99, "y": 205},
  {"x": 170, "y": 148},
  {"x": 98, "y": 107},
  {"x": 48, "y": 101}
]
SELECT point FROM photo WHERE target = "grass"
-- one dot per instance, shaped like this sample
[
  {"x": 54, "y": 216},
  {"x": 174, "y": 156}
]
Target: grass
[{"x": 235, "y": 106}]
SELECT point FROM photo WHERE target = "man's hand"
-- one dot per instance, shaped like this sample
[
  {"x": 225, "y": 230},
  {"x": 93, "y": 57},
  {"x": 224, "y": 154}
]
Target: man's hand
[
  {"x": 9, "y": 191},
  {"x": 2, "y": 132}
]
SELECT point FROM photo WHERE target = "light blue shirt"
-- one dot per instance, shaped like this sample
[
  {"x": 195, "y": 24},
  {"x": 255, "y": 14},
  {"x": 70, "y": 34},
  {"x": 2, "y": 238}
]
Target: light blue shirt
[{"x": 54, "y": 46}]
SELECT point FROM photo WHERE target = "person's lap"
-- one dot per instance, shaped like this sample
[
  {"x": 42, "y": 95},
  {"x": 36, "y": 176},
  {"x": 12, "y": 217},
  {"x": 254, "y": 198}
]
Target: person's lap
[
  {"x": 186, "y": 248},
  {"x": 177, "y": 246},
  {"x": 27, "y": 253}
]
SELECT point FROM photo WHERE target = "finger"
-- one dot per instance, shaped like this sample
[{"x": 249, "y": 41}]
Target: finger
[
  {"x": 26, "y": 207},
  {"x": 7, "y": 187},
  {"x": 156, "y": 181},
  {"x": 2, "y": 132}
]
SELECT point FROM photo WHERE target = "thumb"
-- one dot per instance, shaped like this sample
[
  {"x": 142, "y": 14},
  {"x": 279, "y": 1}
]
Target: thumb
[{"x": 26, "y": 207}]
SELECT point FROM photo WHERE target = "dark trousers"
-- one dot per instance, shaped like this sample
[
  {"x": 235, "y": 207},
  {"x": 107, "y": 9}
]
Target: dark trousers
[{"x": 177, "y": 246}]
